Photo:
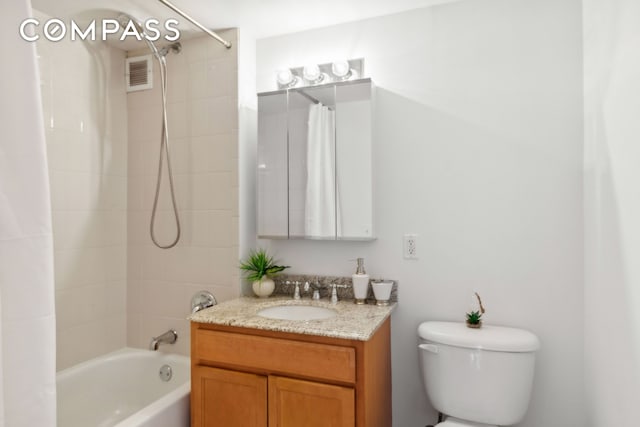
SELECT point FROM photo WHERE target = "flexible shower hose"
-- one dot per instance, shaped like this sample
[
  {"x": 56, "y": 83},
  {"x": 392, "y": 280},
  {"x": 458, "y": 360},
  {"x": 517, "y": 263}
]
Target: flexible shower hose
[{"x": 164, "y": 151}]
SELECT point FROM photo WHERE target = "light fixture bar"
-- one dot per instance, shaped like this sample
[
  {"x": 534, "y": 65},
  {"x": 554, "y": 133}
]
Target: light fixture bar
[
  {"x": 318, "y": 74},
  {"x": 194, "y": 22}
]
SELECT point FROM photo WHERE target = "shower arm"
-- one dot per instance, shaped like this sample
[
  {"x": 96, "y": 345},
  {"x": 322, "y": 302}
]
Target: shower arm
[{"x": 194, "y": 22}]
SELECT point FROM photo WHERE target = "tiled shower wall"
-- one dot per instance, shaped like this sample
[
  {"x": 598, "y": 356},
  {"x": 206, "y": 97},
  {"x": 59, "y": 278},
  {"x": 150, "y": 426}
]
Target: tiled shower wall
[
  {"x": 203, "y": 130},
  {"x": 84, "y": 105},
  {"x": 113, "y": 288}
]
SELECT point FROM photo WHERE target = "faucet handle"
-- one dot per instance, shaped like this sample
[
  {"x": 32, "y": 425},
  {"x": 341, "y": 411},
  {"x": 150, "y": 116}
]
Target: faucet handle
[
  {"x": 296, "y": 292},
  {"x": 334, "y": 291}
]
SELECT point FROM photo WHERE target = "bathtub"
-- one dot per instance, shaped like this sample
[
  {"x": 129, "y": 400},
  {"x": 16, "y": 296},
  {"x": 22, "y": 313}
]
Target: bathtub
[{"x": 124, "y": 389}]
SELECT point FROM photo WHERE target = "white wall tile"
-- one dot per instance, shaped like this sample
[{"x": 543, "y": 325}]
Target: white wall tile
[
  {"x": 177, "y": 120},
  {"x": 203, "y": 151},
  {"x": 211, "y": 116},
  {"x": 216, "y": 153},
  {"x": 145, "y": 123},
  {"x": 113, "y": 287},
  {"x": 211, "y": 191},
  {"x": 212, "y": 228}
]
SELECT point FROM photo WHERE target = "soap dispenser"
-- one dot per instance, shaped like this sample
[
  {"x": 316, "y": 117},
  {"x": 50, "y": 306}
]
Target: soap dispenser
[{"x": 360, "y": 282}]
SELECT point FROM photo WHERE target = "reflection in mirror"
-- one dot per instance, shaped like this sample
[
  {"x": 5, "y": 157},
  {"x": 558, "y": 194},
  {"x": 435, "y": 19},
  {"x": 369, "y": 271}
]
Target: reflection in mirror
[
  {"x": 312, "y": 185},
  {"x": 320, "y": 209}
]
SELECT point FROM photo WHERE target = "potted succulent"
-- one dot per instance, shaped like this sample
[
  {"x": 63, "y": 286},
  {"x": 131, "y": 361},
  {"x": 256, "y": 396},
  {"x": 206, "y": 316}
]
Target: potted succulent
[
  {"x": 259, "y": 268},
  {"x": 474, "y": 317}
]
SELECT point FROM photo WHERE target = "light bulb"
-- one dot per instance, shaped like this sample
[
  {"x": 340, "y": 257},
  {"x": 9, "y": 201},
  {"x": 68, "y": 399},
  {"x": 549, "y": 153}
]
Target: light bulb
[
  {"x": 284, "y": 77},
  {"x": 311, "y": 73},
  {"x": 341, "y": 69}
]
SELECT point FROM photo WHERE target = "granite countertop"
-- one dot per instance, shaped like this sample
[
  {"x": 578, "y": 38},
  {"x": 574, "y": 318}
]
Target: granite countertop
[{"x": 356, "y": 322}]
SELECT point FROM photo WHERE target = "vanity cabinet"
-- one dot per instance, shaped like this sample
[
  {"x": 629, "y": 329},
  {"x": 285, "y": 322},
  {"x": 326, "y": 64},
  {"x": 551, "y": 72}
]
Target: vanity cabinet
[{"x": 250, "y": 377}]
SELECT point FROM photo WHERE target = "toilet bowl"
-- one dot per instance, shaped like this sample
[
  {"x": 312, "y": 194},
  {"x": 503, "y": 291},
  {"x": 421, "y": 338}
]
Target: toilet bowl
[{"x": 477, "y": 377}]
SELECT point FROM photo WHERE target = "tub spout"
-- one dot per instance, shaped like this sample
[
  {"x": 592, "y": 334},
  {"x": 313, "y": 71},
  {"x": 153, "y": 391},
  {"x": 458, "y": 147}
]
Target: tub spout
[{"x": 169, "y": 337}]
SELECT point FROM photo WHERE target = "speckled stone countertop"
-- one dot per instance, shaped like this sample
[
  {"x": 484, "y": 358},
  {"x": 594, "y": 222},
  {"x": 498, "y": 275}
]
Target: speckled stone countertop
[{"x": 356, "y": 322}]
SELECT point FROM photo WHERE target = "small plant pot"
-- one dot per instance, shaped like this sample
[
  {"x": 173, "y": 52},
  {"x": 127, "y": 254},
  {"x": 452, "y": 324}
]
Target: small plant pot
[
  {"x": 474, "y": 325},
  {"x": 263, "y": 287}
]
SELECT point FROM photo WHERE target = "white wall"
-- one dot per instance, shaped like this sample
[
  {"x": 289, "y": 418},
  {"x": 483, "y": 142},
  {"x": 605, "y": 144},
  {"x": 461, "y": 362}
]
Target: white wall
[
  {"x": 84, "y": 107},
  {"x": 247, "y": 145},
  {"x": 478, "y": 148},
  {"x": 612, "y": 211}
]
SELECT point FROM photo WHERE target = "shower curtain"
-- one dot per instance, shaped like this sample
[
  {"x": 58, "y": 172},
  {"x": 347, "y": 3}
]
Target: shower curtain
[
  {"x": 27, "y": 313},
  {"x": 320, "y": 202}
]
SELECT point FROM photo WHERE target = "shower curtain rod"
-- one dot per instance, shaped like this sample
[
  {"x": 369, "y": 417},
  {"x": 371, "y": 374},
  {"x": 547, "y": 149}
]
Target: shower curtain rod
[
  {"x": 309, "y": 97},
  {"x": 194, "y": 22}
]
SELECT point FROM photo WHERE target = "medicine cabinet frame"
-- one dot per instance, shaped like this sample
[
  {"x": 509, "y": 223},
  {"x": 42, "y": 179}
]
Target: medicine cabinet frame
[{"x": 294, "y": 200}]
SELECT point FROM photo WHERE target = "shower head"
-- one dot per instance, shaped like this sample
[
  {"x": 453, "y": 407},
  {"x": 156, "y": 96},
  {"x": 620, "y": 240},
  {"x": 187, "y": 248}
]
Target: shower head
[
  {"x": 125, "y": 21},
  {"x": 174, "y": 47}
]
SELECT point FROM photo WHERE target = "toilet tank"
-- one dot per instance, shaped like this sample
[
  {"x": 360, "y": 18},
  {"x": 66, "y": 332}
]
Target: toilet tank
[{"x": 483, "y": 375}]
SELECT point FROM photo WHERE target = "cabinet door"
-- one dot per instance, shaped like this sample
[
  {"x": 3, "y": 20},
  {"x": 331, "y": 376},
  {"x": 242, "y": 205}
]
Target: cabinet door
[
  {"x": 272, "y": 192},
  {"x": 296, "y": 403},
  {"x": 223, "y": 398}
]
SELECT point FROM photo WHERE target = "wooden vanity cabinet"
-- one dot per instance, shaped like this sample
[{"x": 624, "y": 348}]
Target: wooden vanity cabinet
[{"x": 243, "y": 377}]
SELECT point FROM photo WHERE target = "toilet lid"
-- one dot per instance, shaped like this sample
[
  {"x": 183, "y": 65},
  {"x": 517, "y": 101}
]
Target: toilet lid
[{"x": 489, "y": 337}]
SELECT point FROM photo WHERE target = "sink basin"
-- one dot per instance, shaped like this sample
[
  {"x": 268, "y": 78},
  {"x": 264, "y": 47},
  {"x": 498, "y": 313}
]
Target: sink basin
[{"x": 297, "y": 312}]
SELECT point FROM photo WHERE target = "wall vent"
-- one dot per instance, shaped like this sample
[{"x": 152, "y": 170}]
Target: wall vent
[{"x": 139, "y": 73}]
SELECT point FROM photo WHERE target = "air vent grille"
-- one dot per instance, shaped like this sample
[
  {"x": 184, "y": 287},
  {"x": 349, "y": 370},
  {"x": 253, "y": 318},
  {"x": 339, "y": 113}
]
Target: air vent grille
[{"x": 139, "y": 73}]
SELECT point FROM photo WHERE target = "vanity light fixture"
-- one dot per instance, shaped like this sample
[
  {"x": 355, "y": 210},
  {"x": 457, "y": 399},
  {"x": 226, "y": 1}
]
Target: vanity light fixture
[
  {"x": 286, "y": 78},
  {"x": 341, "y": 69},
  {"x": 312, "y": 74},
  {"x": 316, "y": 74}
]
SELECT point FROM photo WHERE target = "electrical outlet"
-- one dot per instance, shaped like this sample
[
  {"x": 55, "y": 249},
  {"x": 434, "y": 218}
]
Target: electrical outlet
[{"x": 410, "y": 246}]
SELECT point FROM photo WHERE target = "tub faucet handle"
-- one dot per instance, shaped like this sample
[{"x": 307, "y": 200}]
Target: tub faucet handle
[{"x": 202, "y": 300}]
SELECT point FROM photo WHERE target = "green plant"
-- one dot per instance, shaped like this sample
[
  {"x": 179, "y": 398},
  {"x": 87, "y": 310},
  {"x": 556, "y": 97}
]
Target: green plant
[
  {"x": 259, "y": 264},
  {"x": 474, "y": 318}
]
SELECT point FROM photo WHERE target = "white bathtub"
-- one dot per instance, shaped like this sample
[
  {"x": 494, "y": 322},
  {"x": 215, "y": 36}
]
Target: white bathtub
[{"x": 123, "y": 389}]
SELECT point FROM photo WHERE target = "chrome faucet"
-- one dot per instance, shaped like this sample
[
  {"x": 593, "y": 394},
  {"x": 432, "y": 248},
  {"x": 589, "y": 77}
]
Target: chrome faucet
[
  {"x": 169, "y": 337},
  {"x": 316, "y": 289}
]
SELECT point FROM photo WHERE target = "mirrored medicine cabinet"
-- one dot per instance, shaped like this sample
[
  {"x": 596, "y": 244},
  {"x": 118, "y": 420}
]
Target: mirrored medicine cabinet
[{"x": 314, "y": 162}]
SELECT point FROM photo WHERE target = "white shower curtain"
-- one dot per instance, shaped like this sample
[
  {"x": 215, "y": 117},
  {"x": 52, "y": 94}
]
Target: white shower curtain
[
  {"x": 320, "y": 201},
  {"x": 27, "y": 313}
]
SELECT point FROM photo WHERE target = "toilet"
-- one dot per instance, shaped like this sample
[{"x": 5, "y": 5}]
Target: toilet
[{"x": 477, "y": 377}]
